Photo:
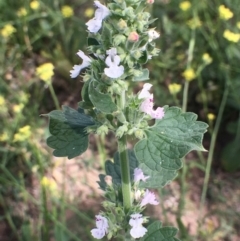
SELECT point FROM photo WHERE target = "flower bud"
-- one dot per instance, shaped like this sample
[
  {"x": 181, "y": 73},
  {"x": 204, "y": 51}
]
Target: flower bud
[
  {"x": 121, "y": 130},
  {"x": 133, "y": 37},
  {"x": 116, "y": 89},
  {"x": 118, "y": 39},
  {"x": 122, "y": 25},
  {"x": 139, "y": 134},
  {"x": 137, "y": 54},
  {"x": 102, "y": 130},
  {"x": 150, "y": 1}
]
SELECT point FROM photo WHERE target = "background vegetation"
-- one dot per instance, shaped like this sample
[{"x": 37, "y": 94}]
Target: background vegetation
[{"x": 46, "y": 198}]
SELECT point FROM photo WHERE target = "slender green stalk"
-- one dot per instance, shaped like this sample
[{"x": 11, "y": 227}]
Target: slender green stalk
[
  {"x": 211, "y": 149},
  {"x": 53, "y": 94},
  {"x": 183, "y": 186},
  {"x": 125, "y": 172}
]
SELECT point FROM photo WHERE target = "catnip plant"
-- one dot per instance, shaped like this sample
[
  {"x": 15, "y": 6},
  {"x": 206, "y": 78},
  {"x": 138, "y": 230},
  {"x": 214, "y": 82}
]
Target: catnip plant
[{"x": 120, "y": 42}]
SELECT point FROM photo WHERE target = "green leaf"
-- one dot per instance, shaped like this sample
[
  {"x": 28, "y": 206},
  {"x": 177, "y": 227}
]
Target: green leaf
[
  {"x": 68, "y": 135},
  {"x": 102, "y": 183},
  {"x": 144, "y": 76},
  {"x": 86, "y": 102},
  {"x": 169, "y": 140},
  {"x": 159, "y": 233},
  {"x": 113, "y": 169},
  {"x": 102, "y": 102},
  {"x": 92, "y": 42}
]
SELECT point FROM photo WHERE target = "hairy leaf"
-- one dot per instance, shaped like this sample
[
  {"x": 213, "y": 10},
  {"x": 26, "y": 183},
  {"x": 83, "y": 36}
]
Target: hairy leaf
[
  {"x": 170, "y": 139},
  {"x": 144, "y": 76},
  {"x": 68, "y": 135},
  {"x": 159, "y": 233},
  {"x": 113, "y": 169},
  {"x": 101, "y": 101}
]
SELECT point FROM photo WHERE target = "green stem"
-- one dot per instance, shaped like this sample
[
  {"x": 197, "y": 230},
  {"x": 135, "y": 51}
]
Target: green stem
[
  {"x": 53, "y": 94},
  {"x": 125, "y": 172},
  {"x": 211, "y": 149}
]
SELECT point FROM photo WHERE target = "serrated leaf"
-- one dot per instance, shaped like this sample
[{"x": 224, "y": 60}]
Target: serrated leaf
[
  {"x": 170, "y": 139},
  {"x": 77, "y": 118},
  {"x": 102, "y": 183},
  {"x": 158, "y": 233},
  {"x": 113, "y": 169},
  {"x": 158, "y": 178},
  {"x": 68, "y": 135},
  {"x": 102, "y": 102},
  {"x": 144, "y": 76}
]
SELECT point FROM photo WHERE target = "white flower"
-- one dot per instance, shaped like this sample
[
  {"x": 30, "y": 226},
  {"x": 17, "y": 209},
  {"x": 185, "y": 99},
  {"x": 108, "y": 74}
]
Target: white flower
[
  {"x": 98, "y": 233},
  {"x": 102, "y": 227},
  {"x": 147, "y": 105},
  {"x": 137, "y": 230},
  {"x": 137, "y": 195},
  {"x": 101, "y": 223},
  {"x": 152, "y": 34},
  {"x": 145, "y": 91},
  {"x": 77, "y": 68},
  {"x": 112, "y": 61},
  {"x": 149, "y": 198},
  {"x": 138, "y": 175},
  {"x": 94, "y": 25},
  {"x": 101, "y": 13}
]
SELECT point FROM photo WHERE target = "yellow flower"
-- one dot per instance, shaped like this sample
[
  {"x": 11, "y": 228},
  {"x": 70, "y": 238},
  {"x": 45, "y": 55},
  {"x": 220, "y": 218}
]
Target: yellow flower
[
  {"x": 89, "y": 12},
  {"x": 67, "y": 11},
  {"x": 45, "y": 71},
  {"x": 238, "y": 25},
  {"x": 34, "y": 4},
  {"x": 22, "y": 12},
  {"x": 174, "y": 88},
  {"x": 230, "y": 36},
  {"x": 50, "y": 184},
  {"x": 7, "y": 30},
  {"x": 211, "y": 116},
  {"x": 23, "y": 134},
  {"x": 189, "y": 74},
  {"x": 4, "y": 137},
  {"x": 2, "y": 101},
  {"x": 225, "y": 13},
  {"x": 18, "y": 108},
  {"x": 207, "y": 58},
  {"x": 194, "y": 23},
  {"x": 185, "y": 5}
]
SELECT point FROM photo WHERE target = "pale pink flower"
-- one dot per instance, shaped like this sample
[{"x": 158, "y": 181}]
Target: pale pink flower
[
  {"x": 149, "y": 198},
  {"x": 133, "y": 37},
  {"x": 150, "y": 1},
  {"x": 147, "y": 104},
  {"x": 138, "y": 175}
]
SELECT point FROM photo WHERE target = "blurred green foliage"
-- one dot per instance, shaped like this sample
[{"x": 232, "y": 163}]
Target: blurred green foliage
[{"x": 213, "y": 27}]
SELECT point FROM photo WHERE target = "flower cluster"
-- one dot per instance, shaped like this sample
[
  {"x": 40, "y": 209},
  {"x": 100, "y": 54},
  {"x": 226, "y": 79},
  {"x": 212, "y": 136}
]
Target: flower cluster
[
  {"x": 142, "y": 198},
  {"x": 224, "y": 12}
]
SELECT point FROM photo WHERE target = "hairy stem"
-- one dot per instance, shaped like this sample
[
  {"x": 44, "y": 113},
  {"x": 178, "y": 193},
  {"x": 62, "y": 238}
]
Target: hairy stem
[{"x": 125, "y": 172}]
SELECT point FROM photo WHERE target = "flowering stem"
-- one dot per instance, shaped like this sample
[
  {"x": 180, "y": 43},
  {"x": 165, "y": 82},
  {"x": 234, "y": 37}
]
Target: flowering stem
[
  {"x": 53, "y": 94},
  {"x": 211, "y": 149},
  {"x": 125, "y": 172}
]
